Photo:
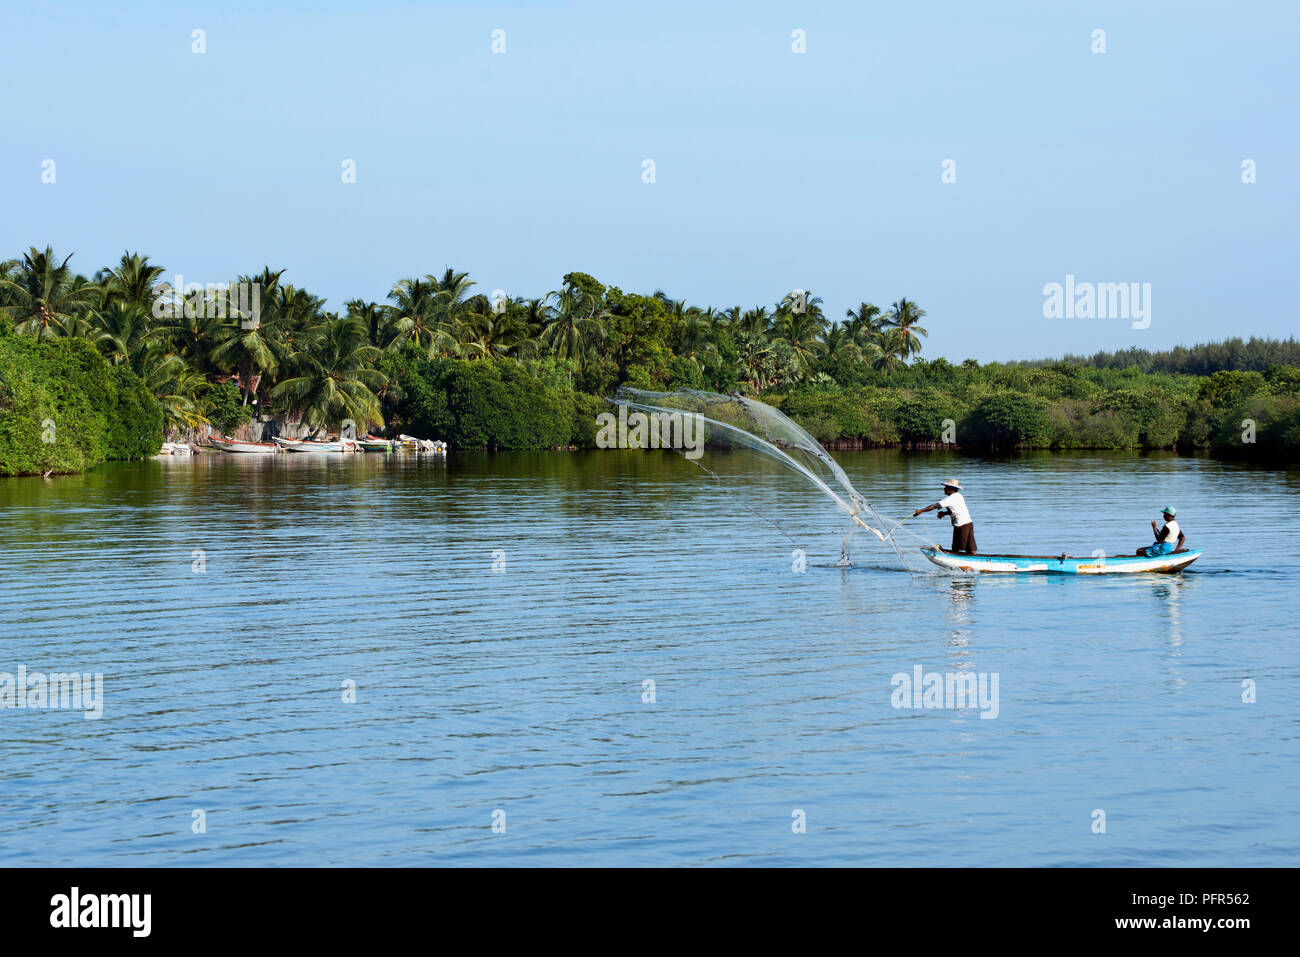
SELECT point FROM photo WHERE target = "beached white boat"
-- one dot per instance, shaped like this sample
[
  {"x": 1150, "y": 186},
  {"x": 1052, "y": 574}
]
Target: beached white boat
[
  {"x": 307, "y": 445},
  {"x": 243, "y": 448},
  {"x": 413, "y": 444}
]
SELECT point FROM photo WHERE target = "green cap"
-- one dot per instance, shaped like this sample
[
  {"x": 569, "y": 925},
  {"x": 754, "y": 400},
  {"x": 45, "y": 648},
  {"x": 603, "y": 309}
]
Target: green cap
[{"x": 1168, "y": 510}]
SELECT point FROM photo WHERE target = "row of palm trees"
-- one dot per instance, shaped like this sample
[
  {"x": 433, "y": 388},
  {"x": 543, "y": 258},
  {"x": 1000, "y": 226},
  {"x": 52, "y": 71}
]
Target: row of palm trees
[
  {"x": 795, "y": 341},
  {"x": 322, "y": 366}
]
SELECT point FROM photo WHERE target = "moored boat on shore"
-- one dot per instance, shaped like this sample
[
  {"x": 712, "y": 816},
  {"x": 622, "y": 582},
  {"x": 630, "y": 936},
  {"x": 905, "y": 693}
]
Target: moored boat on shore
[
  {"x": 411, "y": 443},
  {"x": 244, "y": 448},
  {"x": 308, "y": 445}
]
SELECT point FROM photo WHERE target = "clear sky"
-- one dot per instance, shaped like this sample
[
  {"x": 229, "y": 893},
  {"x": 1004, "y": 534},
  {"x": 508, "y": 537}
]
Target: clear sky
[{"x": 773, "y": 169}]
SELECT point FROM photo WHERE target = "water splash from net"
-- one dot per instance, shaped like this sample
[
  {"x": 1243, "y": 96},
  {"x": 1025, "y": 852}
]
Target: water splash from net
[{"x": 738, "y": 422}]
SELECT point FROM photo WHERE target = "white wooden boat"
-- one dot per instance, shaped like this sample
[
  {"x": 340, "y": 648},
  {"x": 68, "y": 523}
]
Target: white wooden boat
[
  {"x": 307, "y": 445},
  {"x": 243, "y": 448}
]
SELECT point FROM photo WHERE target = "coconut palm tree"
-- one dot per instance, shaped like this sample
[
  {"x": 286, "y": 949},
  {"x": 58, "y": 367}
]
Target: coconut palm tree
[
  {"x": 45, "y": 298},
  {"x": 377, "y": 319},
  {"x": 695, "y": 334},
  {"x": 133, "y": 280},
  {"x": 494, "y": 332},
  {"x": 537, "y": 313},
  {"x": 253, "y": 346},
  {"x": 864, "y": 322},
  {"x": 335, "y": 377},
  {"x": 120, "y": 330},
  {"x": 905, "y": 316},
  {"x": 837, "y": 342},
  {"x": 756, "y": 321},
  {"x": 171, "y": 380},
  {"x": 887, "y": 351},
  {"x": 452, "y": 297},
  {"x": 576, "y": 325},
  {"x": 802, "y": 330},
  {"x": 416, "y": 316}
]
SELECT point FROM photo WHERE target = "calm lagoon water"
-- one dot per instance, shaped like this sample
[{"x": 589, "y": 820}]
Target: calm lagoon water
[{"x": 521, "y": 690}]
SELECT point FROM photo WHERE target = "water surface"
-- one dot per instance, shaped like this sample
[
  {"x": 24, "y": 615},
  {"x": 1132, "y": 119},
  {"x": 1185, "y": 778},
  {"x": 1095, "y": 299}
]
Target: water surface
[{"x": 227, "y": 602}]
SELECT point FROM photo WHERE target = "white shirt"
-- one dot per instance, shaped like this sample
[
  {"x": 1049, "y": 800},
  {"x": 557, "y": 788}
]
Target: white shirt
[
  {"x": 1174, "y": 532},
  {"x": 957, "y": 506}
]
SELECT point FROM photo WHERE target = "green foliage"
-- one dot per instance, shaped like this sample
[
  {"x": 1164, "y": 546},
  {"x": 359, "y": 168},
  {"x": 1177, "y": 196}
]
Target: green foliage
[
  {"x": 920, "y": 417},
  {"x": 856, "y": 416},
  {"x": 482, "y": 404},
  {"x": 221, "y": 403},
  {"x": 1224, "y": 389},
  {"x": 1253, "y": 355},
  {"x": 1006, "y": 420},
  {"x": 64, "y": 409},
  {"x": 586, "y": 408},
  {"x": 135, "y": 420},
  {"x": 1283, "y": 379},
  {"x": 538, "y": 367}
]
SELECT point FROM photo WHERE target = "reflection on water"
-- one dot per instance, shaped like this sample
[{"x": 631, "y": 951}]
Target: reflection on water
[{"x": 524, "y": 689}]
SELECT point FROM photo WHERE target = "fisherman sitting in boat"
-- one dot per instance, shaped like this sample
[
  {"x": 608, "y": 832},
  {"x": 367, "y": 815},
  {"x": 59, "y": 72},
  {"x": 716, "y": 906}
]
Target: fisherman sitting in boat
[
  {"x": 954, "y": 506},
  {"x": 1168, "y": 539}
]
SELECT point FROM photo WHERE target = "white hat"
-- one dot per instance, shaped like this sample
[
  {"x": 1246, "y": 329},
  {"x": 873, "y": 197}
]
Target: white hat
[{"x": 951, "y": 483}]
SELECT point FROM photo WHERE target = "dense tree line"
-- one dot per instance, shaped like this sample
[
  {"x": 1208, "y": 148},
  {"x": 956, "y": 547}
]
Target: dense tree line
[
  {"x": 1230, "y": 355},
  {"x": 438, "y": 358}
]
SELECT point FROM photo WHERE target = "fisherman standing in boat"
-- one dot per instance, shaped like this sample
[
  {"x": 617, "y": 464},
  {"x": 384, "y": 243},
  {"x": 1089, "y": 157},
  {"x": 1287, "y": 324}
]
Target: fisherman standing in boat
[
  {"x": 1169, "y": 538},
  {"x": 954, "y": 506}
]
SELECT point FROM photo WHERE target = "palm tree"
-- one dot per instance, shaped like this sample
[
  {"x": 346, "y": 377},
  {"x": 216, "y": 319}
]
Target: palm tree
[
  {"x": 253, "y": 347},
  {"x": 336, "y": 379},
  {"x": 196, "y": 333},
  {"x": 172, "y": 382},
  {"x": 695, "y": 334},
  {"x": 802, "y": 331},
  {"x": 537, "y": 313},
  {"x": 756, "y": 321},
  {"x": 837, "y": 341},
  {"x": 864, "y": 322},
  {"x": 45, "y": 297},
  {"x": 378, "y": 321},
  {"x": 120, "y": 330},
  {"x": 802, "y": 302},
  {"x": 134, "y": 280},
  {"x": 496, "y": 333},
  {"x": 756, "y": 355},
  {"x": 904, "y": 316},
  {"x": 887, "y": 351},
  {"x": 416, "y": 316},
  {"x": 576, "y": 325},
  {"x": 452, "y": 297}
]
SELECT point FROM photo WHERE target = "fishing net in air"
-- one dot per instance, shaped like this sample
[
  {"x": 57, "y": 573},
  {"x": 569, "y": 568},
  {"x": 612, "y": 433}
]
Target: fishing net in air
[{"x": 735, "y": 422}]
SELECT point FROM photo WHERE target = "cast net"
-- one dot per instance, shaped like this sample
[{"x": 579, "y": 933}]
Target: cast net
[{"x": 733, "y": 422}]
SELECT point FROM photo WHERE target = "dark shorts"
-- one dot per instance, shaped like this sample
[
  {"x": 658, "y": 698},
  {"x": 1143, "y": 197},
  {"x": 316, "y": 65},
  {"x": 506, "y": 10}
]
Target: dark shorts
[{"x": 963, "y": 538}]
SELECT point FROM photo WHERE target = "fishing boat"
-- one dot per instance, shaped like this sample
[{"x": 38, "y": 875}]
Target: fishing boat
[
  {"x": 1063, "y": 564},
  {"x": 308, "y": 445},
  {"x": 371, "y": 443},
  {"x": 411, "y": 443},
  {"x": 246, "y": 448}
]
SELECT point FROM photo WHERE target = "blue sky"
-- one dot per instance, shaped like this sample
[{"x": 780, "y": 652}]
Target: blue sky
[{"x": 774, "y": 170}]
